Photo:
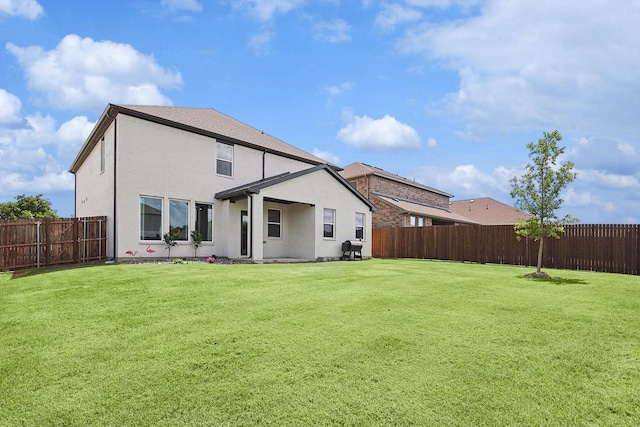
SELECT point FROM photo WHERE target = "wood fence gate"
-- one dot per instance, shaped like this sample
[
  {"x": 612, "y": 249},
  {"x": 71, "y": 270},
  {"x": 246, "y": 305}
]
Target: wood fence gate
[{"x": 45, "y": 242}]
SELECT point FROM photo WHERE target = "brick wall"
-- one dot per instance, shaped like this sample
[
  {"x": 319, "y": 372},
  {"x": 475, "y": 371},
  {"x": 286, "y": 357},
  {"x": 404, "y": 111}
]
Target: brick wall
[
  {"x": 387, "y": 186},
  {"x": 386, "y": 215}
]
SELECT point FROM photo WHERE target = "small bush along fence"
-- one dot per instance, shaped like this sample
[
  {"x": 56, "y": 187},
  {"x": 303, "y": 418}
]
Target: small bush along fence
[
  {"x": 46, "y": 242},
  {"x": 590, "y": 247}
]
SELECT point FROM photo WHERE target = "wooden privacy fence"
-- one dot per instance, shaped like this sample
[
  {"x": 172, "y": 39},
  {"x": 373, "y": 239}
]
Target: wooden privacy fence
[
  {"x": 45, "y": 242},
  {"x": 591, "y": 247}
]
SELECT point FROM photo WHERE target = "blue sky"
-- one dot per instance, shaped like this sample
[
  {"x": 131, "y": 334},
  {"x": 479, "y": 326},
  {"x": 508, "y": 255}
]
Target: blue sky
[{"x": 446, "y": 92}]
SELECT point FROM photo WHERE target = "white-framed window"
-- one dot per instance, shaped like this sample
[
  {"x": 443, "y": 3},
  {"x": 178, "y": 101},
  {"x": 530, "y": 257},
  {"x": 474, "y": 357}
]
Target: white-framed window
[
  {"x": 329, "y": 223},
  {"x": 102, "y": 155},
  {"x": 179, "y": 218},
  {"x": 204, "y": 221},
  {"x": 150, "y": 218},
  {"x": 224, "y": 159},
  {"x": 420, "y": 221},
  {"x": 360, "y": 225},
  {"x": 274, "y": 223},
  {"x": 412, "y": 221}
]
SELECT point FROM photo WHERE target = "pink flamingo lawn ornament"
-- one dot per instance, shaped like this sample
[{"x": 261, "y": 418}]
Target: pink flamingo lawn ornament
[
  {"x": 132, "y": 253},
  {"x": 150, "y": 249}
]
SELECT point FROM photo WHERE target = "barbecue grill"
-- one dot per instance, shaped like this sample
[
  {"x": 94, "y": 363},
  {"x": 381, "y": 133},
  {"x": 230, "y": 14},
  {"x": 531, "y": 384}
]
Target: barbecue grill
[{"x": 351, "y": 249}]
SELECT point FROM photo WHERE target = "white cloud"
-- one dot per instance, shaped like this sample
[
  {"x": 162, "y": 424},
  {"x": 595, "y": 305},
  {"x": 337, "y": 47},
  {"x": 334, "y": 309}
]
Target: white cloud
[
  {"x": 605, "y": 154},
  {"x": 394, "y": 14},
  {"x": 10, "y": 106},
  {"x": 604, "y": 179},
  {"x": 327, "y": 156},
  {"x": 339, "y": 89},
  {"x": 532, "y": 65},
  {"x": 81, "y": 73},
  {"x": 189, "y": 5},
  {"x": 35, "y": 156},
  {"x": 261, "y": 43},
  {"x": 385, "y": 134},
  {"x": 28, "y": 8},
  {"x": 432, "y": 143},
  {"x": 333, "y": 31},
  {"x": 467, "y": 181},
  {"x": 443, "y": 4},
  {"x": 264, "y": 10}
]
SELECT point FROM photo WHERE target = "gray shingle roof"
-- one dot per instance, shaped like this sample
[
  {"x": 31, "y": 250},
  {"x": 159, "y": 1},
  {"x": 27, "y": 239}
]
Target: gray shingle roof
[
  {"x": 204, "y": 121},
  {"x": 487, "y": 211}
]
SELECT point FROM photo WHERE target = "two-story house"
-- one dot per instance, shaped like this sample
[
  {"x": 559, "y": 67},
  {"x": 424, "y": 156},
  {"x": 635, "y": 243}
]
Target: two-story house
[
  {"x": 401, "y": 202},
  {"x": 153, "y": 170}
]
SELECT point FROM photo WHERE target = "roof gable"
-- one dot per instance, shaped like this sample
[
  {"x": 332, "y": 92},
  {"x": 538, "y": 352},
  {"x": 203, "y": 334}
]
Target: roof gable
[
  {"x": 256, "y": 186},
  {"x": 415, "y": 208},
  {"x": 203, "y": 121}
]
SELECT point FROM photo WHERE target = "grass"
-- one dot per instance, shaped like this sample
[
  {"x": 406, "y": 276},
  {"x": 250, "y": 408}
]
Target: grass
[{"x": 380, "y": 342}]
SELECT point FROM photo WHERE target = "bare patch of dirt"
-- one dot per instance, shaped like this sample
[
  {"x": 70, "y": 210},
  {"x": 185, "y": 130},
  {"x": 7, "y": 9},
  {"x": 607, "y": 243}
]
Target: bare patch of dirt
[{"x": 536, "y": 275}]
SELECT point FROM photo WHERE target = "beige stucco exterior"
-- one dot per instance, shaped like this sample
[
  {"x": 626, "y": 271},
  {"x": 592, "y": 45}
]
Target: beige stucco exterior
[{"x": 144, "y": 158}]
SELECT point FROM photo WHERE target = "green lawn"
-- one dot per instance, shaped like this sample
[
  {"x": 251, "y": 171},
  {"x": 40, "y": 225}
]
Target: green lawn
[{"x": 380, "y": 342}]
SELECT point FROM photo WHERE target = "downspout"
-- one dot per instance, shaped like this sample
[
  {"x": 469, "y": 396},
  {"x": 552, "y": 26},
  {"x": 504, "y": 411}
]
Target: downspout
[
  {"x": 115, "y": 187},
  {"x": 250, "y": 231},
  {"x": 75, "y": 195}
]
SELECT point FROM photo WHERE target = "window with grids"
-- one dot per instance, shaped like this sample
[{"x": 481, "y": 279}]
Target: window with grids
[
  {"x": 359, "y": 226},
  {"x": 329, "y": 223},
  {"x": 274, "y": 223},
  {"x": 224, "y": 159}
]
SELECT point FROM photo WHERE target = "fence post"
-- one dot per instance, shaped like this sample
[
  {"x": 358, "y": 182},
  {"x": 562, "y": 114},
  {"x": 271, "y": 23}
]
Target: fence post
[
  {"x": 84, "y": 239},
  {"x": 37, "y": 244}
]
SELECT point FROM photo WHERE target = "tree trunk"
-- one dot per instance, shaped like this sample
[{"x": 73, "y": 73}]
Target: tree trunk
[{"x": 540, "y": 255}]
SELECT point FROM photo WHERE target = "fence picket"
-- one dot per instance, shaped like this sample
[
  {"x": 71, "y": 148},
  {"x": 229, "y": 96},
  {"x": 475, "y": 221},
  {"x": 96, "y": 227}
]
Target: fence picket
[
  {"x": 45, "y": 242},
  {"x": 591, "y": 247}
]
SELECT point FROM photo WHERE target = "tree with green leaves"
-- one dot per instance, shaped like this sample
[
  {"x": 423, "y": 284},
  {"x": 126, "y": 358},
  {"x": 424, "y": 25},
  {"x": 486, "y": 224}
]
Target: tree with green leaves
[
  {"x": 196, "y": 238},
  {"x": 27, "y": 207},
  {"x": 537, "y": 192}
]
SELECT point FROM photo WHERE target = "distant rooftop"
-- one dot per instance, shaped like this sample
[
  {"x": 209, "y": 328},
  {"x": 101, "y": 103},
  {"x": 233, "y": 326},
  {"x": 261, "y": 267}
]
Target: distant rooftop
[
  {"x": 487, "y": 211},
  {"x": 357, "y": 169}
]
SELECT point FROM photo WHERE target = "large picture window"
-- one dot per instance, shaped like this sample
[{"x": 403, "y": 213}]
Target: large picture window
[
  {"x": 150, "y": 218},
  {"x": 204, "y": 221},
  {"x": 329, "y": 223},
  {"x": 179, "y": 218},
  {"x": 274, "y": 223},
  {"x": 224, "y": 159},
  {"x": 359, "y": 226}
]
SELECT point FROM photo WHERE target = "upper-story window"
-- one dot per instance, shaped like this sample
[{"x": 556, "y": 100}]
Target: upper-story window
[
  {"x": 102, "y": 155},
  {"x": 224, "y": 159}
]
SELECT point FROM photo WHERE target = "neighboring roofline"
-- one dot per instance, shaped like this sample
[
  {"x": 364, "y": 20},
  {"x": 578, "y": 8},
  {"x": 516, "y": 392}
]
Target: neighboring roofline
[
  {"x": 452, "y": 216},
  {"x": 415, "y": 202},
  {"x": 256, "y": 186},
  {"x": 397, "y": 178},
  {"x": 111, "y": 112}
]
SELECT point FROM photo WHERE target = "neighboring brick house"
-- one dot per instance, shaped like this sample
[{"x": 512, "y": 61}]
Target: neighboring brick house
[
  {"x": 487, "y": 211},
  {"x": 401, "y": 202}
]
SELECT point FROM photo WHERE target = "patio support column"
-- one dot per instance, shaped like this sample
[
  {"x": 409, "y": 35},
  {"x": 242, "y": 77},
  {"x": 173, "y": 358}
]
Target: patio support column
[{"x": 257, "y": 225}]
